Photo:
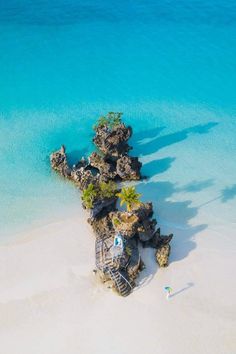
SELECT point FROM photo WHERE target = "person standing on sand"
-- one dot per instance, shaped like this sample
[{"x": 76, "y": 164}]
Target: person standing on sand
[{"x": 168, "y": 291}]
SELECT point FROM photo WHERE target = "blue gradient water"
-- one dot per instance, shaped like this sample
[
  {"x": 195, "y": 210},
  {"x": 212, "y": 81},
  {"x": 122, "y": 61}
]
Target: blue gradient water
[{"x": 170, "y": 66}]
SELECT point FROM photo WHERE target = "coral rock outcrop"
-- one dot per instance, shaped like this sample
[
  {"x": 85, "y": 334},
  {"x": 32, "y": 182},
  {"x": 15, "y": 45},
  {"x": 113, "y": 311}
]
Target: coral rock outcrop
[
  {"x": 128, "y": 168},
  {"x": 59, "y": 162},
  {"x": 113, "y": 142},
  {"x": 162, "y": 255},
  {"x": 118, "y": 233}
]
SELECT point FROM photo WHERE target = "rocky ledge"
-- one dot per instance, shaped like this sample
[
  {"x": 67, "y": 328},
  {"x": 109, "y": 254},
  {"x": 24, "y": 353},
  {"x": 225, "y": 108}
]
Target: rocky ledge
[{"x": 118, "y": 233}]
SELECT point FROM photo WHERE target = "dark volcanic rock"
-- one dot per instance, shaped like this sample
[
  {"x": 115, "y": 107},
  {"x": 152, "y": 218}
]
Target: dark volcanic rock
[
  {"x": 128, "y": 168},
  {"x": 134, "y": 265},
  {"x": 103, "y": 206},
  {"x": 102, "y": 226},
  {"x": 158, "y": 240},
  {"x": 83, "y": 177},
  {"x": 146, "y": 230},
  {"x": 59, "y": 162},
  {"x": 106, "y": 167},
  {"x": 143, "y": 211},
  {"x": 113, "y": 142}
]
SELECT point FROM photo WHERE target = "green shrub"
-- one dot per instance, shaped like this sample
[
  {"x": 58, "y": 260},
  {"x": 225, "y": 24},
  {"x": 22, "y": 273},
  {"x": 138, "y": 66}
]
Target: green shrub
[
  {"x": 88, "y": 196},
  {"x": 128, "y": 251},
  {"x": 111, "y": 120},
  {"x": 107, "y": 190},
  {"x": 116, "y": 221},
  {"x": 114, "y": 119},
  {"x": 102, "y": 121}
]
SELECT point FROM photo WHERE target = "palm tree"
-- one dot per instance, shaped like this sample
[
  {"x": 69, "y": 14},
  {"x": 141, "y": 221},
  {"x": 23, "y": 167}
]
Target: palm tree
[
  {"x": 130, "y": 197},
  {"x": 89, "y": 195}
]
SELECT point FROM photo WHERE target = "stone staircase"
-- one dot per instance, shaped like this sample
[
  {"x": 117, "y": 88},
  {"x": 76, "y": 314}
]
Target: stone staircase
[{"x": 123, "y": 286}]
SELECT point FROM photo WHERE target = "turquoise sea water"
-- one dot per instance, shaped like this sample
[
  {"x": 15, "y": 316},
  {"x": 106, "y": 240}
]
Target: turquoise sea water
[{"x": 170, "y": 66}]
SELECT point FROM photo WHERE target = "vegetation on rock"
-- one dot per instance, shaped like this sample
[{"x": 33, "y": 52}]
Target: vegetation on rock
[
  {"x": 107, "y": 190},
  {"x": 116, "y": 221},
  {"x": 130, "y": 197},
  {"x": 95, "y": 192},
  {"x": 88, "y": 196},
  {"x": 118, "y": 233},
  {"x": 111, "y": 120}
]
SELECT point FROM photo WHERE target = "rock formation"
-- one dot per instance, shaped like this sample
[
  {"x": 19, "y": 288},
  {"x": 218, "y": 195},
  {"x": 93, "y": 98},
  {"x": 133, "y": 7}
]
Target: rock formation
[
  {"x": 118, "y": 233},
  {"x": 59, "y": 162},
  {"x": 128, "y": 168},
  {"x": 113, "y": 142},
  {"x": 162, "y": 255},
  {"x": 105, "y": 166}
]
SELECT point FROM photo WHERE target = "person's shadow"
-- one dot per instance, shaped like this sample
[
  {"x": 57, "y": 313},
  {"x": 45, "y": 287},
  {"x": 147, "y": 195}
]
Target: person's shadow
[{"x": 187, "y": 287}]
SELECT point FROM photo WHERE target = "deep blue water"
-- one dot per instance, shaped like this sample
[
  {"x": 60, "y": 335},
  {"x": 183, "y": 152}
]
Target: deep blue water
[{"x": 170, "y": 66}]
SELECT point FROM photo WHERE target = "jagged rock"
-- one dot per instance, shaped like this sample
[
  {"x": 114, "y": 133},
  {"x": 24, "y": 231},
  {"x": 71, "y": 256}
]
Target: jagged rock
[
  {"x": 83, "y": 177},
  {"x": 143, "y": 211},
  {"x": 106, "y": 167},
  {"x": 82, "y": 163},
  {"x": 162, "y": 255},
  {"x": 146, "y": 230},
  {"x": 103, "y": 226},
  {"x": 134, "y": 264},
  {"x": 103, "y": 206},
  {"x": 113, "y": 142},
  {"x": 128, "y": 168},
  {"x": 59, "y": 162},
  {"x": 125, "y": 223},
  {"x": 158, "y": 240}
]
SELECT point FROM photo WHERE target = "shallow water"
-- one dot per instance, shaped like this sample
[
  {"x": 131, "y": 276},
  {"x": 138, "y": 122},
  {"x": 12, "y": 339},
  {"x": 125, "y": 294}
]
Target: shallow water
[{"x": 169, "y": 66}]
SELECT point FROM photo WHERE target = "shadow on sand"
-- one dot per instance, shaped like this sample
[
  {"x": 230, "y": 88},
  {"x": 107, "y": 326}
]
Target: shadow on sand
[
  {"x": 226, "y": 194},
  {"x": 187, "y": 287},
  {"x": 175, "y": 215},
  {"x": 149, "y": 142}
]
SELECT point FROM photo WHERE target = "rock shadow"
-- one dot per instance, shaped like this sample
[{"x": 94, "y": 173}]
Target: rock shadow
[
  {"x": 173, "y": 216},
  {"x": 228, "y": 193},
  {"x": 142, "y": 137},
  {"x": 151, "y": 267},
  {"x": 197, "y": 186},
  {"x": 155, "y": 144},
  {"x": 157, "y": 166}
]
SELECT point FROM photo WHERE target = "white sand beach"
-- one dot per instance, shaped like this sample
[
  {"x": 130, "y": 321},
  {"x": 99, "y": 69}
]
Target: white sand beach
[
  {"x": 51, "y": 303},
  {"x": 170, "y": 67}
]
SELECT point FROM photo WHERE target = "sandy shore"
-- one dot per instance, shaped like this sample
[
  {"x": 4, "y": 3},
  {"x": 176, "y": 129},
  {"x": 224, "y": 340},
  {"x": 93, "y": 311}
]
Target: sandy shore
[{"x": 51, "y": 303}]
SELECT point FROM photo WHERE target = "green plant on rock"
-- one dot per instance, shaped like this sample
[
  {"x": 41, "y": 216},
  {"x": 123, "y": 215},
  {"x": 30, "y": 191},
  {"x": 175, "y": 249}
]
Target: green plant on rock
[
  {"x": 116, "y": 221},
  {"x": 107, "y": 190},
  {"x": 130, "y": 197},
  {"x": 89, "y": 195},
  {"x": 111, "y": 120},
  {"x": 128, "y": 251},
  {"x": 114, "y": 119},
  {"x": 102, "y": 122}
]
